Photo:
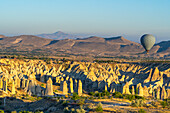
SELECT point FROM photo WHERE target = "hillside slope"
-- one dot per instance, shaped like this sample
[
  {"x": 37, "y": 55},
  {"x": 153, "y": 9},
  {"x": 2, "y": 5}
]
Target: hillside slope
[{"x": 91, "y": 46}]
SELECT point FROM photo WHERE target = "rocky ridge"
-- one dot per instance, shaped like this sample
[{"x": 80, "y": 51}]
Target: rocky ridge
[{"x": 92, "y": 46}]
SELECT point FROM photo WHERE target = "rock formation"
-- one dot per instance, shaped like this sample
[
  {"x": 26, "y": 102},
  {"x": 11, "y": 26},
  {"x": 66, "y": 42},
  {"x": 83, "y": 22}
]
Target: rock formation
[
  {"x": 149, "y": 77},
  {"x": 79, "y": 88},
  {"x": 65, "y": 90},
  {"x": 105, "y": 87},
  {"x": 1, "y": 83},
  {"x": 23, "y": 83},
  {"x": 38, "y": 90},
  {"x": 61, "y": 83},
  {"x": 71, "y": 85},
  {"x": 168, "y": 93},
  {"x": 163, "y": 94},
  {"x": 145, "y": 91},
  {"x": 49, "y": 88},
  {"x": 5, "y": 85},
  {"x": 133, "y": 90},
  {"x": 28, "y": 75},
  {"x": 13, "y": 88},
  {"x": 31, "y": 87},
  {"x": 140, "y": 90},
  {"x": 126, "y": 89},
  {"x": 158, "y": 93},
  {"x": 155, "y": 74}
]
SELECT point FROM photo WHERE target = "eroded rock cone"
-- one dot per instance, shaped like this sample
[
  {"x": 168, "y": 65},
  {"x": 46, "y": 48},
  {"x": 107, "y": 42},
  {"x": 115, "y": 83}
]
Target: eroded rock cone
[
  {"x": 145, "y": 91},
  {"x": 158, "y": 93},
  {"x": 133, "y": 90},
  {"x": 126, "y": 89},
  {"x": 13, "y": 88},
  {"x": 163, "y": 93},
  {"x": 155, "y": 74},
  {"x": 71, "y": 85},
  {"x": 65, "y": 90},
  {"x": 23, "y": 83},
  {"x": 49, "y": 88},
  {"x": 79, "y": 88},
  {"x": 38, "y": 90},
  {"x": 1, "y": 83},
  {"x": 140, "y": 90},
  {"x": 168, "y": 93},
  {"x": 5, "y": 85}
]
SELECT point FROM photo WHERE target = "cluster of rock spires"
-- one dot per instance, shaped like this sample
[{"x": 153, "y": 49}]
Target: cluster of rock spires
[
  {"x": 22, "y": 75},
  {"x": 70, "y": 85},
  {"x": 144, "y": 80},
  {"x": 135, "y": 78}
]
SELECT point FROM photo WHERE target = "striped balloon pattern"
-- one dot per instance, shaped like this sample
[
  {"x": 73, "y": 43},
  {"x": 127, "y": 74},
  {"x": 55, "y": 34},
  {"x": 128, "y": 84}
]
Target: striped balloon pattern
[{"x": 147, "y": 41}]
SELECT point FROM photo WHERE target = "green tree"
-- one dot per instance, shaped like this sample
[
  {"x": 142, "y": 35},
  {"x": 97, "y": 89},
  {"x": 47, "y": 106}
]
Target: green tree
[
  {"x": 92, "y": 93},
  {"x": 99, "y": 107},
  {"x": 164, "y": 104},
  {"x": 138, "y": 103},
  {"x": 117, "y": 95},
  {"x": 105, "y": 93},
  {"x": 81, "y": 110},
  {"x": 75, "y": 96},
  {"x": 81, "y": 101},
  {"x": 141, "y": 111}
]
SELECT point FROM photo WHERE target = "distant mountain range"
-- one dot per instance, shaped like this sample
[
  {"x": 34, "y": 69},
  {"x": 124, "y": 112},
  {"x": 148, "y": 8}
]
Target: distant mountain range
[
  {"x": 59, "y": 35},
  {"x": 91, "y": 46}
]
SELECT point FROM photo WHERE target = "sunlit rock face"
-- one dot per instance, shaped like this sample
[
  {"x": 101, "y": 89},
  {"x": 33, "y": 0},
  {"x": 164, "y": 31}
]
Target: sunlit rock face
[
  {"x": 84, "y": 76},
  {"x": 49, "y": 88},
  {"x": 65, "y": 91}
]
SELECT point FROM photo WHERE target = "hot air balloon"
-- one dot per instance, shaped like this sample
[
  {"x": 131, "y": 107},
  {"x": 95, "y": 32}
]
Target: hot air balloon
[{"x": 147, "y": 41}]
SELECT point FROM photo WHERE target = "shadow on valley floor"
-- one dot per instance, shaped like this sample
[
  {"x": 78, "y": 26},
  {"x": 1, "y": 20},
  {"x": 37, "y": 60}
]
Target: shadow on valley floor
[{"x": 45, "y": 104}]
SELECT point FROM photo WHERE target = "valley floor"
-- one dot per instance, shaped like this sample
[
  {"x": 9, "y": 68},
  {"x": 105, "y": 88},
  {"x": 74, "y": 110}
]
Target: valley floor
[{"x": 54, "y": 105}]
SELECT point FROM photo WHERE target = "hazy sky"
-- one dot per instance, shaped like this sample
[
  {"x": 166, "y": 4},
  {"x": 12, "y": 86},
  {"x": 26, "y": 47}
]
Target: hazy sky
[{"x": 129, "y": 18}]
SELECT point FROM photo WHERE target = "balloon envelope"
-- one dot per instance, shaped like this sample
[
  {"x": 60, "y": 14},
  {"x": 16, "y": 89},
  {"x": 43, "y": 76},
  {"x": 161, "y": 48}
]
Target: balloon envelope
[{"x": 147, "y": 41}]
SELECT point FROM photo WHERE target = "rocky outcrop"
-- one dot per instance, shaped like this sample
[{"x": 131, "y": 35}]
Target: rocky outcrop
[
  {"x": 149, "y": 77},
  {"x": 163, "y": 93},
  {"x": 79, "y": 88},
  {"x": 126, "y": 89},
  {"x": 140, "y": 90},
  {"x": 168, "y": 93},
  {"x": 1, "y": 84},
  {"x": 13, "y": 88},
  {"x": 155, "y": 74},
  {"x": 158, "y": 93},
  {"x": 30, "y": 74},
  {"x": 133, "y": 90},
  {"x": 5, "y": 84},
  {"x": 145, "y": 91},
  {"x": 65, "y": 90},
  {"x": 71, "y": 85},
  {"x": 38, "y": 91},
  {"x": 49, "y": 88}
]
